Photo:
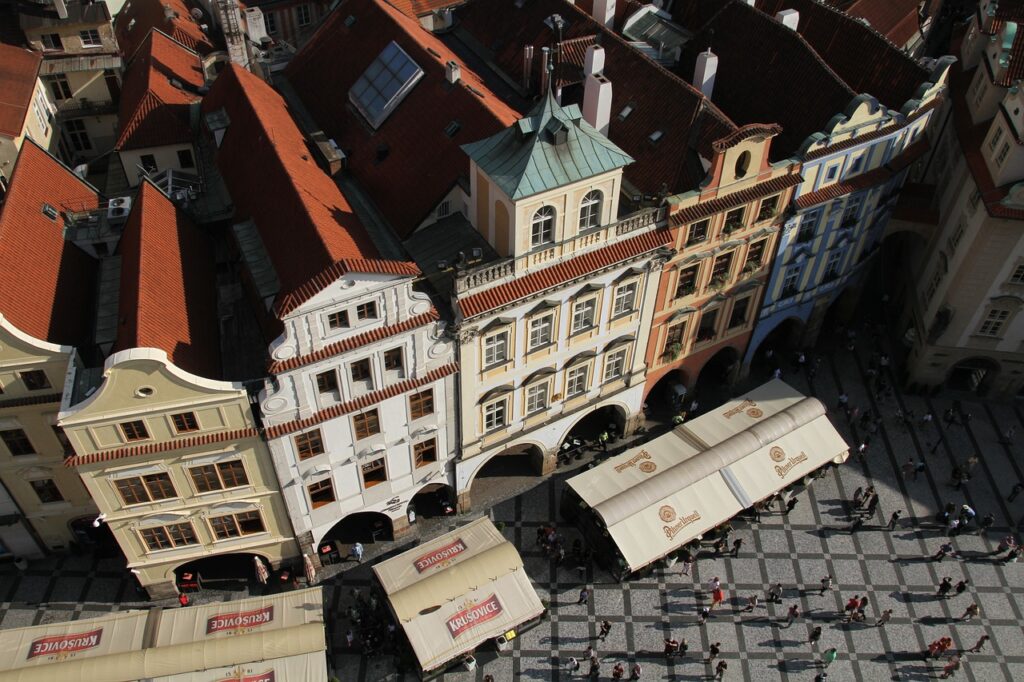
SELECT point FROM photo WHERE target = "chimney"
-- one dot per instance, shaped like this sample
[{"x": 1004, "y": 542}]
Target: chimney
[
  {"x": 169, "y": 13},
  {"x": 545, "y": 55},
  {"x": 452, "y": 71},
  {"x": 594, "y": 61},
  {"x": 61, "y": 7},
  {"x": 597, "y": 102},
  {"x": 704, "y": 72},
  {"x": 527, "y": 66},
  {"x": 789, "y": 18},
  {"x": 604, "y": 12}
]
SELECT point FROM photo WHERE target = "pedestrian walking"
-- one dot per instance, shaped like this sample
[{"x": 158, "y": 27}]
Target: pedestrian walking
[
  {"x": 720, "y": 670},
  {"x": 961, "y": 587},
  {"x": 872, "y": 505},
  {"x": 775, "y": 594},
  {"x": 987, "y": 521},
  {"x": 751, "y": 603},
  {"x": 970, "y": 612},
  {"x": 829, "y": 657},
  {"x": 713, "y": 652},
  {"x": 687, "y": 564},
  {"x": 815, "y": 636},
  {"x": 894, "y": 518},
  {"x": 852, "y": 605},
  {"x": 356, "y": 552},
  {"x": 863, "y": 603},
  {"x": 636, "y": 672},
  {"x": 908, "y": 469},
  {"x": 918, "y": 468},
  {"x": 1008, "y": 435},
  {"x": 573, "y": 666},
  {"x": 584, "y": 596},
  {"x": 789, "y": 506},
  {"x": 979, "y": 644},
  {"x": 944, "y": 588},
  {"x": 183, "y": 599},
  {"x": 714, "y": 584},
  {"x": 884, "y": 618},
  {"x": 703, "y": 617},
  {"x": 606, "y": 627},
  {"x": 719, "y": 546},
  {"x": 1014, "y": 492},
  {"x": 858, "y": 497},
  {"x": 717, "y": 597},
  {"x": 591, "y": 652},
  {"x": 950, "y": 668},
  {"x": 350, "y": 639},
  {"x": 944, "y": 550},
  {"x": 826, "y": 584},
  {"x": 618, "y": 671},
  {"x": 858, "y": 522},
  {"x": 595, "y": 668},
  {"x": 953, "y": 527},
  {"x": 843, "y": 400},
  {"x": 792, "y": 614},
  {"x": 736, "y": 545},
  {"x": 671, "y": 647}
]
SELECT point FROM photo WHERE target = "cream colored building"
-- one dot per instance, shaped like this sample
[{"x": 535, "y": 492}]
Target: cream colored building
[
  {"x": 173, "y": 459},
  {"x": 26, "y": 110}
]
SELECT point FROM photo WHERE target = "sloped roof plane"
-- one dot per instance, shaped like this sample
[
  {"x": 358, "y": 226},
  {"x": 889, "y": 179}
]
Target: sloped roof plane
[
  {"x": 18, "y": 71},
  {"x": 138, "y": 17}
]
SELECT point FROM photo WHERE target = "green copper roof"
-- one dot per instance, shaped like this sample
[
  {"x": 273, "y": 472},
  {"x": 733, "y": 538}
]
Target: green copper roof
[{"x": 551, "y": 147}]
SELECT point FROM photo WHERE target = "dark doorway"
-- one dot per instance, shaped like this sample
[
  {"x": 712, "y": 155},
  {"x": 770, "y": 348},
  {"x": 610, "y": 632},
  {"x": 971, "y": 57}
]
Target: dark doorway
[
  {"x": 227, "y": 572},
  {"x": 435, "y": 499},
  {"x": 668, "y": 396},
  {"x": 714, "y": 383},
  {"x": 974, "y": 375},
  {"x": 360, "y": 527},
  {"x": 95, "y": 538}
]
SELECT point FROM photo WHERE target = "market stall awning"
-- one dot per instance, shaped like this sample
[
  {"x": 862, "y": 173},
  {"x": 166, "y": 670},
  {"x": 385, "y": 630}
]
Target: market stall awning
[
  {"x": 451, "y": 594},
  {"x": 725, "y": 421},
  {"x": 77, "y": 640}
]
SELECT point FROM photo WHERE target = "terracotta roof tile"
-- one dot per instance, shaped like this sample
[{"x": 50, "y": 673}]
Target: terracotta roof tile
[
  {"x": 355, "y": 341},
  {"x": 390, "y": 163},
  {"x": 722, "y": 204},
  {"x": 135, "y": 20},
  {"x": 418, "y": 8},
  {"x": 361, "y": 402},
  {"x": 153, "y": 112},
  {"x": 46, "y": 283},
  {"x": 659, "y": 100},
  {"x": 18, "y": 71},
  {"x": 895, "y": 19},
  {"x": 566, "y": 271},
  {"x": 308, "y": 227},
  {"x": 168, "y": 286},
  {"x": 163, "y": 446}
]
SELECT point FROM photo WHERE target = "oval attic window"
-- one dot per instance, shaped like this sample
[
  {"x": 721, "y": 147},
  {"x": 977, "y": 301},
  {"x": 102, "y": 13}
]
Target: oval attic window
[{"x": 742, "y": 164}]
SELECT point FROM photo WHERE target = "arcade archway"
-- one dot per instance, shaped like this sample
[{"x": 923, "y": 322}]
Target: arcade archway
[
  {"x": 714, "y": 383},
  {"x": 975, "y": 375}
]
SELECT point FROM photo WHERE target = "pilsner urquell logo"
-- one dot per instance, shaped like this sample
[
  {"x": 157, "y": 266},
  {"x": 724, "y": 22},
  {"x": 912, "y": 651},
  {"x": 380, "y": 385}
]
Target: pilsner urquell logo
[
  {"x": 242, "y": 677},
  {"x": 239, "y": 621},
  {"x": 64, "y": 644},
  {"x": 480, "y": 612},
  {"x": 439, "y": 555}
]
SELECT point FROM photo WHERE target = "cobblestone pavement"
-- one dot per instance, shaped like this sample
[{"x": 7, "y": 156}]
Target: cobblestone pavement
[{"x": 891, "y": 567}]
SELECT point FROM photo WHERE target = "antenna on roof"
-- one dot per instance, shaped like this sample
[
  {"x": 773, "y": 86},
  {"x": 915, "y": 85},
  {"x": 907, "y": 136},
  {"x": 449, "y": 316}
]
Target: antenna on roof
[{"x": 711, "y": 38}]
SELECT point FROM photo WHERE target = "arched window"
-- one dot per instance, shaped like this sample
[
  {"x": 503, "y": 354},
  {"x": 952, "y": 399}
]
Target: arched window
[
  {"x": 590, "y": 210},
  {"x": 542, "y": 228}
]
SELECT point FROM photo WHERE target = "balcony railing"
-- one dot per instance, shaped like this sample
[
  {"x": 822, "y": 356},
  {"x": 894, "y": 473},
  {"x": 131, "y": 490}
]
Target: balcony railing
[{"x": 75, "y": 108}]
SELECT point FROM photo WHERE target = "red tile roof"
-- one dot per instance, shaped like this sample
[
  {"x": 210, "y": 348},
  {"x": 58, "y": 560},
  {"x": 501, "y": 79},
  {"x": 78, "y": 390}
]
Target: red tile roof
[
  {"x": 566, "y": 271},
  {"x": 722, "y": 204},
  {"x": 310, "y": 231},
  {"x": 391, "y": 164},
  {"x": 153, "y": 112},
  {"x": 361, "y": 402},
  {"x": 895, "y": 19},
  {"x": 418, "y": 8},
  {"x": 660, "y": 100},
  {"x": 862, "y": 56},
  {"x": 163, "y": 446},
  {"x": 46, "y": 283},
  {"x": 168, "y": 286},
  {"x": 135, "y": 20},
  {"x": 18, "y": 71},
  {"x": 353, "y": 342}
]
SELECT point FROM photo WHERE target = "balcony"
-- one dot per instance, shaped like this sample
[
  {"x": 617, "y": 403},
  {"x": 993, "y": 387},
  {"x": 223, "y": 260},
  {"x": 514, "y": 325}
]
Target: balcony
[{"x": 82, "y": 107}]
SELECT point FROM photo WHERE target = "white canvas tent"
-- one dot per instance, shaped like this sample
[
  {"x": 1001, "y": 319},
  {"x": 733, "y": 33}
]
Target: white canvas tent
[
  {"x": 453, "y": 593},
  {"x": 656, "y": 498}
]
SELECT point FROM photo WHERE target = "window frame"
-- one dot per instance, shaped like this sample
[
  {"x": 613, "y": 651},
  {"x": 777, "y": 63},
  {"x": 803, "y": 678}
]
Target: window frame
[
  {"x": 634, "y": 285},
  {"x": 311, "y": 440},
  {"x": 39, "y": 485},
  {"x": 1017, "y": 275},
  {"x": 218, "y": 475},
  {"x": 772, "y": 211},
  {"x": 21, "y": 438},
  {"x": 340, "y": 316},
  {"x": 45, "y": 38},
  {"x": 170, "y": 537},
  {"x": 537, "y": 397},
  {"x": 542, "y": 227},
  {"x": 532, "y": 327},
  {"x": 327, "y": 382},
  {"x": 161, "y": 482},
  {"x": 417, "y": 401},
  {"x": 93, "y": 35},
  {"x": 694, "y": 284},
  {"x": 695, "y": 236},
  {"x": 712, "y": 315},
  {"x": 35, "y": 380},
  {"x": 367, "y": 311},
  {"x": 570, "y": 379},
  {"x": 325, "y": 484},
  {"x": 237, "y": 523},
  {"x": 389, "y": 355},
  {"x": 137, "y": 427},
  {"x": 363, "y": 423},
  {"x": 670, "y": 337},
  {"x": 611, "y": 358},
  {"x": 992, "y": 324},
  {"x": 498, "y": 362},
  {"x": 732, "y": 224},
  {"x": 299, "y": 10},
  {"x": 419, "y": 447},
  {"x": 745, "y": 302},
  {"x": 577, "y": 305},
  {"x": 186, "y": 425},
  {"x": 590, "y": 217},
  {"x": 504, "y": 404},
  {"x": 755, "y": 255},
  {"x": 378, "y": 464}
]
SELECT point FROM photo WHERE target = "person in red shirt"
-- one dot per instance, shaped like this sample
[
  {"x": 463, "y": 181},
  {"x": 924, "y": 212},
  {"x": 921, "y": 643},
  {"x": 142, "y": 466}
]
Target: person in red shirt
[{"x": 183, "y": 599}]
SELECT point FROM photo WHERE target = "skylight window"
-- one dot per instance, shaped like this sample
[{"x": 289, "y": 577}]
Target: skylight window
[
  {"x": 384, "y": 84},
  {"x": 626, "y": 111},
  {"x": 655, "y": 136},
  {"x": 49, "y": 211}
]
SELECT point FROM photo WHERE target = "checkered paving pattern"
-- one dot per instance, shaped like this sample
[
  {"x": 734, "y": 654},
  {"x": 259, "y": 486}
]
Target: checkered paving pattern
[{"x": 892, "y": 567}]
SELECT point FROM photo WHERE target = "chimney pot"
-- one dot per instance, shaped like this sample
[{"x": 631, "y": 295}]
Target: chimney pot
[
  {"x": 604, "y": 12},
  {"x": 545, "y": 56},
  {"x": 704, "y": 72},
  {"x": 597, "y": 102},
  {"x": 594, "y": 62},
  {"x": 790, "y": 18},
  {"x": 452, "y": 71}
]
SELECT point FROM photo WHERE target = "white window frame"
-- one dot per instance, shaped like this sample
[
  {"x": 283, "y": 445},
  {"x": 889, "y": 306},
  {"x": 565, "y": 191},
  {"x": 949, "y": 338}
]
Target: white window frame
[
  {"x": 615, "y": 359},
  {"x": 590, "y": 210},
  {"x": 1017, "y": 276},
  {"x": 537, "y": 327},
  {"x": 578, "y": 308},
  {"x": 993, "y": 323},
  {"x": 90, "y": 33},
  {"x": 538, "y": 397},
  {"x": 625, "y": 290},
  {"x": 299, "y": 11},
  {"x": 577, "y": 380},
  {"x": 542, "y": 226},
  {"x": 490, "y": 348},
  {"x": 491, "y": 412}
]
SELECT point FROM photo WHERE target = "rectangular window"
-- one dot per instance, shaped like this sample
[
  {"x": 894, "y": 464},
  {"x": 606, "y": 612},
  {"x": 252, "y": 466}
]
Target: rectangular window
[
  {"x": 220, "y": 476},
  {"x": 62, "y": 438},
  {"x": 148, "y": 488},
  {"x": 721, "y": 268},
  {"x": 541, "y": 331},
  {"x": 327, "y": 382},
  {"x": 496, "y": 349},
  {"x": 954, "y": 239},
  {"x": 496, "y": 415},
  {"x": 707, "y": 328},
  {"x": 993, "y": 323},
  {"x": 167, "y": 537},
  {"x": 393, "y": 361},
  {"x": 366, "y": 311},
  {"x": 625, "y": 299},
  {"x": 583, "y": 315},
  {"x": 134, "y": 430},
  {"x": 366, "y": 424},
  {"x": 576, "y": 381},
  {"x": 674, "y": 340},
  {"x": 790, "y": 283},
  {"x": 425, "y": 452},
  {"x": 59, "y": 87},
  {"x": 614, "y": 364},
  {"x": 808, "y": 226},
  {"x": 185, "y": 422},
  {"x": 1018, "y": 275},
  {"x": 360, "y": 371},
  {"x": 1001, "y": 157},
  {"x": 270, "y": 21},
  {"x": 90, "y": 38},
  {"x": 831, "y": 172},
  {"x": 148, "y": 163},
  {"x": 76, "y": 135},
  {"x": 338, "y": 320},
  {"x": 996, "y": 137},
  {"x": 185, "y": 159},
  {"x": 852, "y": 211},
  {"x": 855, "y": 165},
  {"x": 734, "y": 219},
  {"x": 309, "y": 444},
  {"x": 537, "y": 398},
  {"x": 321, "y": 492},
  {"x": 421, "y": 404},
  {"x": 687, "y": 281},
  {"x": 754, "y": 255},
  {"x": 975, "y": 198},
  {"x": 769, "y": 207},
  {"x": 304, "y": 15},
  {"x": 698, "y": 232},
  {"x": 374, "y": 473},
  {"x": 738, "y": 317},
  {"x": 17, "y": 442},
  {"x": 51, "y": 41},
  {"x": 35, "y": 380},
  {"x": 832, "y": 265},
  {"x": 236, "y": 525}
]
